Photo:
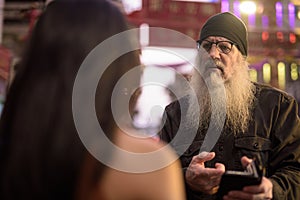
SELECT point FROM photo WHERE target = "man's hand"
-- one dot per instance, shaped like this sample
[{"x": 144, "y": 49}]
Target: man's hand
[
  {"x": 203, "y": 179},
  {"x": 263, "y": 191}
]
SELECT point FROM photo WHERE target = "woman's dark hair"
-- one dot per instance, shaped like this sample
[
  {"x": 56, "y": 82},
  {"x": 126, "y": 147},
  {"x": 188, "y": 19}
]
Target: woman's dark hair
[{"x": 41, "y": 154}]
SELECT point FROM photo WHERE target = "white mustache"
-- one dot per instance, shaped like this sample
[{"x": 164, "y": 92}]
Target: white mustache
[
  {"x": 219, "y": 64},
  {"x": 214, "y": 64}
]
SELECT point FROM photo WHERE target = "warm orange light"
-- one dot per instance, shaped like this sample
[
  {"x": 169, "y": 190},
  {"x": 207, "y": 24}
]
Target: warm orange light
[
  {"x": 280, "y": 36},
  {"x": 265, "y": 36},
  {"x": 292, "y": 38}
]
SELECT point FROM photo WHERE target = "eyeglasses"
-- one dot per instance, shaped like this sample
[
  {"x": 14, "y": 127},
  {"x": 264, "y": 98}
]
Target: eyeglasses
[{"x": 222, "y": 46}]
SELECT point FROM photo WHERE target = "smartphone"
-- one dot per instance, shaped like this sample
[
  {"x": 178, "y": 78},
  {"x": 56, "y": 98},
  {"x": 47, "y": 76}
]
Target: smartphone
[{"x": 236, "y": 180}]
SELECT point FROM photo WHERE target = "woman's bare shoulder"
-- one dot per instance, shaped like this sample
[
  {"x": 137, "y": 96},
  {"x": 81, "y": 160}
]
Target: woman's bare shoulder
[{"x": 144, "y": 168}]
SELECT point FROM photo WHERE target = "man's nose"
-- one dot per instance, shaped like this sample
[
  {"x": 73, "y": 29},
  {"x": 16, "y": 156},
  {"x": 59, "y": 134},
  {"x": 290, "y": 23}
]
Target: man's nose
[{"x": 214, "y": 52}]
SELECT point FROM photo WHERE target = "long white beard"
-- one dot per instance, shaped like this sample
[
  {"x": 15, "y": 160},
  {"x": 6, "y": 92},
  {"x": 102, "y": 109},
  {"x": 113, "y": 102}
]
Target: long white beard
[
  {"x": 238, "y": 100},
  {"x": 240, "y": 96}
]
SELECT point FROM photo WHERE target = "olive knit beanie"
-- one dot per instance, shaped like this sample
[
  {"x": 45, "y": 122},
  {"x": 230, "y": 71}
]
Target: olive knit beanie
[{"x": 227, "y": 25}]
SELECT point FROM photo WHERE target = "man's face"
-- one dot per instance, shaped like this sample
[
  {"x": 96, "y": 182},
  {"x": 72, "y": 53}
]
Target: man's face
[
  {"x": 224, "y": 55},
  {"x": 221, "y": 64}
]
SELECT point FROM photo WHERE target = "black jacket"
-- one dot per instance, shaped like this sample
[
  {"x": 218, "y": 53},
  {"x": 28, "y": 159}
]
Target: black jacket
[{"x": 273, "y": 135}]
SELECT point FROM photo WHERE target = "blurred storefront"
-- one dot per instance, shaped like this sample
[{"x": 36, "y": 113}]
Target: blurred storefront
[
  {"x": 169, "y": 30},
  {"x": 273, "y": 25},
  {"x": 274, "y": 40}
]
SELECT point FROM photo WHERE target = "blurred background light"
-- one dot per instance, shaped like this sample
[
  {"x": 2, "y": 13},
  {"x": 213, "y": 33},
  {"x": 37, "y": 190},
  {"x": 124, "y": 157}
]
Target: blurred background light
[
  {"x": 267, "y": 73},
  {"x": 247, "y": 7},
  {"x": 281, "y": 75},
  {"x": 294, "y": 72}
]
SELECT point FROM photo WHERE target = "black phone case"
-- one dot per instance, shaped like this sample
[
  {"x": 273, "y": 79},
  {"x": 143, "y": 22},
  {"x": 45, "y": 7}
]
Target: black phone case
[{"x": 236, "y": 180}]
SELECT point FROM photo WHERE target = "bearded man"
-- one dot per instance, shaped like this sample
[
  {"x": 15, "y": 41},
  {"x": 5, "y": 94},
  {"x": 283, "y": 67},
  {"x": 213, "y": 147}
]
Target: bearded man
[{"x": 232, "y": 120}]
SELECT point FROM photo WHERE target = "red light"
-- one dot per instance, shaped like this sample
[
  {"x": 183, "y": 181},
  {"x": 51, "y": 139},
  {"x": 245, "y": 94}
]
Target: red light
[
  {"x": 280, "y": 36},
  {"x": 264, "y": 36},
  {"x": 292, "y": 38}
]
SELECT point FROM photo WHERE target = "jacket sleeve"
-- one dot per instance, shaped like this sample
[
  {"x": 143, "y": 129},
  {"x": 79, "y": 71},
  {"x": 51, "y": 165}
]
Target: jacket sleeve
[
  {"x": 171, "y": 122},
  {"x": 166, "y": 130},
  {"x": 284, "y": 166}
]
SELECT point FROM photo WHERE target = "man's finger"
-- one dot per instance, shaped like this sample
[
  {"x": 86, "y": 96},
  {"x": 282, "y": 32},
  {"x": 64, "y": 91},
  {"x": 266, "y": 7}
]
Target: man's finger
[
  {"x": 203, "y": 157},
  {"x": 245, "y": 161},
  {"x": 220, "y": 166}
]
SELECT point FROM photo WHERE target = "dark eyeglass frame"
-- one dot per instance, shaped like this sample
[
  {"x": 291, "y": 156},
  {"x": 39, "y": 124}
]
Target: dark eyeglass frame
[{"x": 199, "y": 43}]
